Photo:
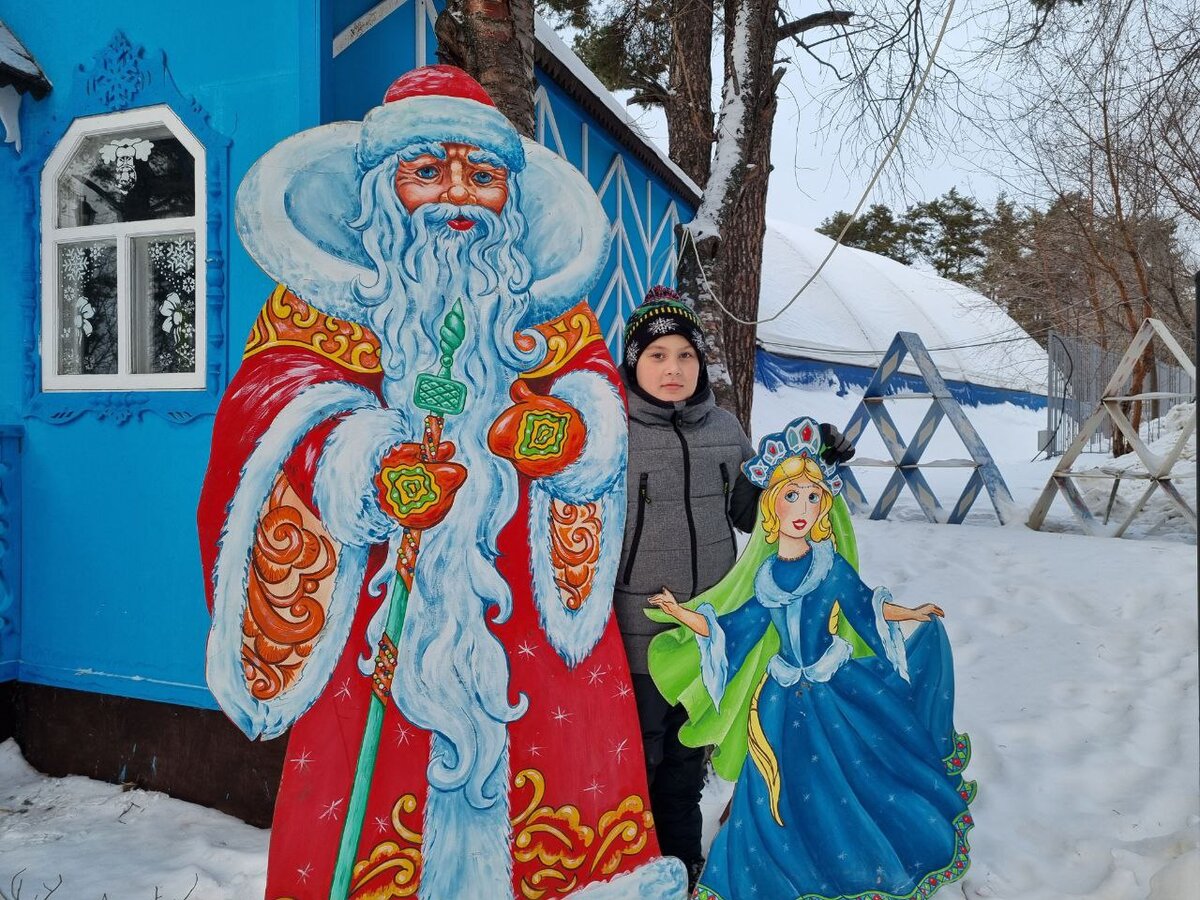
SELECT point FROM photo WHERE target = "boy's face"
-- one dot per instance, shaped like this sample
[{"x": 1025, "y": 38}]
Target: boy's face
[{"x": 669, "y": 369}]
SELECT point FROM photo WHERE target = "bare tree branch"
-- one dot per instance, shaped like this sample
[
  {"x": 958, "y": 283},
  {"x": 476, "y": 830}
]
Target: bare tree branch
[{"x": 816, "y": 20}]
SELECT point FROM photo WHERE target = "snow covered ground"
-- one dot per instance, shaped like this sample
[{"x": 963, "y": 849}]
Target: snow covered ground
[{"x": 1077, "y": 680}]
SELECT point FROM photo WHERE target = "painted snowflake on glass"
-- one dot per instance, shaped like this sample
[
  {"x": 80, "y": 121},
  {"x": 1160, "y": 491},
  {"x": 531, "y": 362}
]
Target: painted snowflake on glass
[
  {"x": 75, "y": 264},
  {"x": 177, "y": 257},
  {"x": 172, "y": 293}
]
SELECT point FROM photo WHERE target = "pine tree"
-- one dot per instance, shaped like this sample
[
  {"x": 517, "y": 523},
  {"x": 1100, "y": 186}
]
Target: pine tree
[
  {"x": 877, "y": 230},
  {"x": 947, "y": 232}
]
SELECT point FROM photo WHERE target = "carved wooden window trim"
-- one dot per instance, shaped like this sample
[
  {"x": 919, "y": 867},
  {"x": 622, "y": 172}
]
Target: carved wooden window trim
[{"x": 125, "y": 235}]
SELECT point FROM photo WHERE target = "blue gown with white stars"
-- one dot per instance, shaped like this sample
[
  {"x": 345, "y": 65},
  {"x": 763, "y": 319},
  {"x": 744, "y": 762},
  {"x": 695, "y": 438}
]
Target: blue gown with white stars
[{"x": 869, "y": 787}]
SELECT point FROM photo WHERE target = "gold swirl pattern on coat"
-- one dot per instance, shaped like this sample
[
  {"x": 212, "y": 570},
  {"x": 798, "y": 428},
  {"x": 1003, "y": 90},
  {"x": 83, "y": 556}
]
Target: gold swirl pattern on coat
[
  {"x": 574, "y": 549},
  {"x": 398, "y": 866},
  {"x": 288, "y": 321},
  {"x": 565, "y": 337},
  {"x": 552, "y": 846},
  {"x": 551, "y": 836},
  {"x": 563, "y": 844},
  {"x": 406, "y": 804},
  {"x": 401, "y": 866},
  {"x": 623, "y": 832},
  {"x": 288, "y": 592}
]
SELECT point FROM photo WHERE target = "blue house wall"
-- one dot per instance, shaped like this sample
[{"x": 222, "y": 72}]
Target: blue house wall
[
  {"x": 110, "y": 589},
  {"x": 644, "y": 210},
  {"x": 100, "y": 577}
]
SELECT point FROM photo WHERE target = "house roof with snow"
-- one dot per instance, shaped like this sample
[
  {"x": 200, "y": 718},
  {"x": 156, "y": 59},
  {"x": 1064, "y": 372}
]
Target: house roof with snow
[
  {"x": 852, "y": 311},
  {"x": 19, "y": 68},
  {"x": 559, "y": 61}
]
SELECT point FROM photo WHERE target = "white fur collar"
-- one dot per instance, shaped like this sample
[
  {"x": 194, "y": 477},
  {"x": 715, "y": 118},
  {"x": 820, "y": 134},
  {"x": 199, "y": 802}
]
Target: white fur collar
[{"x": 770, "y": 594}]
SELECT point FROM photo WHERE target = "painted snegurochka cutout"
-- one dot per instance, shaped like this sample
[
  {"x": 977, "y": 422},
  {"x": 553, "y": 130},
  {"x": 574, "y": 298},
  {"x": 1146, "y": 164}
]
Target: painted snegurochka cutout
[
  {"x": 837, "y": 729},
  {"x": 413, "y": 512}
]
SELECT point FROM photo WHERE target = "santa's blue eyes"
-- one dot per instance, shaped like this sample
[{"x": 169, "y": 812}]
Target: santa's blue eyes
[{"x": 432, "y": 173}]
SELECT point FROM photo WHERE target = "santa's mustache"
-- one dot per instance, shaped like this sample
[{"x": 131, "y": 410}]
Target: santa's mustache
[{"x": 436, "y": 217}]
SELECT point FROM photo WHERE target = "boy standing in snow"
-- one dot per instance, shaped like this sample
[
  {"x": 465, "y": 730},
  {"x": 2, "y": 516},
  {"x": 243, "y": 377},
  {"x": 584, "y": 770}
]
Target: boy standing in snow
[
  {"x": 685, "y": 453},
  {"x": 685, "y": 496}
]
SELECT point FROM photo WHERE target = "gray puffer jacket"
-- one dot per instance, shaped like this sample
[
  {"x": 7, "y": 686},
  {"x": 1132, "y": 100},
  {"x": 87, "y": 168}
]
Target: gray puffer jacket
[{"x": 683, "y": 462}]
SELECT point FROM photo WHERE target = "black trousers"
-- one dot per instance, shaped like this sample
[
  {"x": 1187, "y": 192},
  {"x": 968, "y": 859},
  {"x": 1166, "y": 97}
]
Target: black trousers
[{"x": 675, "y": 773}]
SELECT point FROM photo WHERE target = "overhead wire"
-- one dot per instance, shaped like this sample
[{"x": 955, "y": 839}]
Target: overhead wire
[
  {"x": 941, "y": 349},
  {"x": 689, "y": 237}
]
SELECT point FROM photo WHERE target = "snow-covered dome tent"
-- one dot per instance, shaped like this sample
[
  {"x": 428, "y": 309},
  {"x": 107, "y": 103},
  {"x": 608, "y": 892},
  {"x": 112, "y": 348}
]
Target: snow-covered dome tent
[{"x": 838, "y": 330}]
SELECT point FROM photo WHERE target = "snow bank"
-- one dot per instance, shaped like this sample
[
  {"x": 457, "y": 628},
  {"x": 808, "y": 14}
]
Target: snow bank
[
  {"x": 118, "y": 844},
  {"x": 1076, "y": 659},
  {"x": 1077, "y": 680}
]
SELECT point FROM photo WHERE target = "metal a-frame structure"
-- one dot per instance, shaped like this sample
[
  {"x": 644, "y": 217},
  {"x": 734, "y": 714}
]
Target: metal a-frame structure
[
  {"x": 1157, "y": 472},
  {"x": 906, "y": 458}
]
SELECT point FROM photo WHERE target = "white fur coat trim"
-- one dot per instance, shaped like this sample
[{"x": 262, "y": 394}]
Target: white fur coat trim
[
  {"x": 269, "y": 718},
  {"x": 598, "y": 476},
  {"x": 344, "y": 484},
  {"x": 660, "y": 879},
  {"x": 606, "y": 448}
]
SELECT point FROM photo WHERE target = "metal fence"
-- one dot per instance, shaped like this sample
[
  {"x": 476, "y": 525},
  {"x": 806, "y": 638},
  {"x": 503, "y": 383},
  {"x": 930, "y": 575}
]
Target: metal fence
[{"x": 1079, "y": 372}]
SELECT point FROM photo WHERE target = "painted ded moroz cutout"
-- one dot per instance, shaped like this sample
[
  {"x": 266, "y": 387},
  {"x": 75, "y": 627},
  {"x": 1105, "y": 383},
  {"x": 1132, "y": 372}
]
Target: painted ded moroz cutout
[{"x": 413, "y": 513}]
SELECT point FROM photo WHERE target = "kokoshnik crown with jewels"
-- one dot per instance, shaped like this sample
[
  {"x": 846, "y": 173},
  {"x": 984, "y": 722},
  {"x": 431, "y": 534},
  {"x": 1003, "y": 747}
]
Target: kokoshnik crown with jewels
[{"x": 801, "y": 438}]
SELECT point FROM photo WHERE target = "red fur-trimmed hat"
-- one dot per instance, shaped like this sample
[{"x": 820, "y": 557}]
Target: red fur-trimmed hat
[{"x": 439, "y": 105}]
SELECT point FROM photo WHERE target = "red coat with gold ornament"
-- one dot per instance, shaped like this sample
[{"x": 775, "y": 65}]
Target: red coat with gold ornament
[{"x": 577, "y": 800}]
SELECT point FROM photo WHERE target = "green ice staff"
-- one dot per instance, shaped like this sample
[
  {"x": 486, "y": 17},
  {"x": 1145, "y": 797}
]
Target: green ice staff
[{"x": 411, "y": 490}]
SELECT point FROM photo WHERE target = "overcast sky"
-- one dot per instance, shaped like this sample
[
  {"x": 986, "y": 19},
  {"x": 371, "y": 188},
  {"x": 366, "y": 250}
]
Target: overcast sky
[{"x": 815, "y": 175}]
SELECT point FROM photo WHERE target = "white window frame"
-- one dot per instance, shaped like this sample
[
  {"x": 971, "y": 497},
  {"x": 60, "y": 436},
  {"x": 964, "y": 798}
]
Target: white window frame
[{"x": 124, "y": 233}]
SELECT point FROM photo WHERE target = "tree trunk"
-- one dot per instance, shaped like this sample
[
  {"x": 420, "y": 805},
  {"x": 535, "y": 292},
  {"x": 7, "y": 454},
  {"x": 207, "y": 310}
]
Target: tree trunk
[
  {"x": 741, "y": 268},
  {"x": 493, "y": 42},
  {"x": 689, "y": 110},
  {"x": 729, "y": 225}
]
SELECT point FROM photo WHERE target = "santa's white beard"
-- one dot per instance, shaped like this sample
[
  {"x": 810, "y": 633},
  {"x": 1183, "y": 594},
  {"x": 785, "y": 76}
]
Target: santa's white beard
[{"x": 452, "y": 673}]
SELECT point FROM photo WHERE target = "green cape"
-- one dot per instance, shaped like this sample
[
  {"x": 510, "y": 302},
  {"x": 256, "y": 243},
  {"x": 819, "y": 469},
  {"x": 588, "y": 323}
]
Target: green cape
[{"x": 674, "y": 656}]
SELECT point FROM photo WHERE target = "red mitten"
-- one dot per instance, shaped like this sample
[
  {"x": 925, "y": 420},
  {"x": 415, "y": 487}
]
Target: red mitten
[
  {"x": 418, "y": 493},
  {"x": 539, "y": 435}
]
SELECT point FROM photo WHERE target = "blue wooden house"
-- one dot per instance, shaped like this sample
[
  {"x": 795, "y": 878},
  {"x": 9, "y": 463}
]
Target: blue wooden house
[{"x": 126, "y": 299}]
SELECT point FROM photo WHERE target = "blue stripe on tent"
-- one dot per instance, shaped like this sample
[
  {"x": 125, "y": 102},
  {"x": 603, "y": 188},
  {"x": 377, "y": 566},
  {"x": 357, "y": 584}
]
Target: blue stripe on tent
[{"x": 774, "y": 371}]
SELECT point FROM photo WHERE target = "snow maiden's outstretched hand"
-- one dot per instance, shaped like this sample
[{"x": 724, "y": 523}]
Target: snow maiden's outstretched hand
[
  {"x": 893, "y": 612},
  {"x": 666, "y": 601},
  {"x": 818, "y": 707}
]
